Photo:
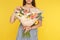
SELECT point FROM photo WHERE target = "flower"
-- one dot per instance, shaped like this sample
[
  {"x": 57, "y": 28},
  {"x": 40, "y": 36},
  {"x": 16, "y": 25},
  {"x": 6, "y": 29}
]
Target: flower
[
  {"x": 36, "y": 22},
  {"x": 34, "y": 15}
]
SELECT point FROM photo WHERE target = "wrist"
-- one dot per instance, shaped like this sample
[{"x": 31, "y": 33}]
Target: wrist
[{"x": 30, "y": 28}]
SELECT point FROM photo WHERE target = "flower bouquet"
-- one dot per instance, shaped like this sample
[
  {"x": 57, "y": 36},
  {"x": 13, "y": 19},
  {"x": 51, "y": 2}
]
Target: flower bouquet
[{"x": 27, "y": 19}]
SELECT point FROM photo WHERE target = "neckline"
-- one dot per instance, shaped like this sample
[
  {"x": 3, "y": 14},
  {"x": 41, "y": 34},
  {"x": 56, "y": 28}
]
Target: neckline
[{"x": 27, "y": 7}]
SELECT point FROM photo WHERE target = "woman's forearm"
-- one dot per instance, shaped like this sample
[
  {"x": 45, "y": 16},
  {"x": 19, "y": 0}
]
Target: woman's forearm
[
  {"x": 38, "y": 25},
  {"x": 12, "y": 18}
]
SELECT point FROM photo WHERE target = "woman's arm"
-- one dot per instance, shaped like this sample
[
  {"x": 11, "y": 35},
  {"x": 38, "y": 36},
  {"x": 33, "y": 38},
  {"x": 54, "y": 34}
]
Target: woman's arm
[
  {"x": 33, "y": 27},
  {"x": 38, "y": 25},
  {"x": 12, "y": 18}
]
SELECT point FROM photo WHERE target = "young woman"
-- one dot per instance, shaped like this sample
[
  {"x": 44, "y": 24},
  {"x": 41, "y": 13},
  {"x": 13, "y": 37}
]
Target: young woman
[{"x": 27, "y": 5}]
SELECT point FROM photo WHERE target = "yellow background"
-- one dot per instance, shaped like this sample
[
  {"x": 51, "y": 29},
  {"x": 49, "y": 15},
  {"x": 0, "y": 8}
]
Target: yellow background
[{"x": 50, "y": 29}]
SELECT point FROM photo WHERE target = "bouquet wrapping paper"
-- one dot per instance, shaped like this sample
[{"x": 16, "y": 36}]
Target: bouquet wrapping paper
[{"x": 28, "y": 19}]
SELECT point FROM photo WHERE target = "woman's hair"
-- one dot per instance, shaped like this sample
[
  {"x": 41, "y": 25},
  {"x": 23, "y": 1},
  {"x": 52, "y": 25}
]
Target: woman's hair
[{"x": 33, "y": 3}]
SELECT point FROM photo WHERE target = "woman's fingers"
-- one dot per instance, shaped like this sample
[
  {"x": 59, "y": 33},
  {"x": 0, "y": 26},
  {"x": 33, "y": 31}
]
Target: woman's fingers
[
  {"x": 28, "y": 28},
  {"x": 24, "y": 27},
  {"x": 17, "y": 9}
]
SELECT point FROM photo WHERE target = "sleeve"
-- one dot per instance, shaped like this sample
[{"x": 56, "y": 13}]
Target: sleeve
[
  {"x": 39, "y": 14},
  {"x": 40, "y": 18}
]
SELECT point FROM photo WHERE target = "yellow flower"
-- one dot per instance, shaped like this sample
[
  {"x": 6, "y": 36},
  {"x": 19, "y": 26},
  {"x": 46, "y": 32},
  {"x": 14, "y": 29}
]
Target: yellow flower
[
  {"x": 28, "y": 17},
  {"x": 36, "y": 22},
  {"x": 19, "y": 14}
]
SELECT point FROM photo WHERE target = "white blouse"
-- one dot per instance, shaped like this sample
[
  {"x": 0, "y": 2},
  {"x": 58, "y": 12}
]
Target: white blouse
[{"x": 33, "y": 10}]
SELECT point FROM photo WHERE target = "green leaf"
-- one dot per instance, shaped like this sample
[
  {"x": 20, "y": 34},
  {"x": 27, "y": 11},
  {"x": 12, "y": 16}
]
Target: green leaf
[
  {"x": 27, "y": 34},
  {"x": 21, "y": 11}
]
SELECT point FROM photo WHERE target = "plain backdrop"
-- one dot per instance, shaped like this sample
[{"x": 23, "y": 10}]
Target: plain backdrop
[{"x": 50, "y": 29}]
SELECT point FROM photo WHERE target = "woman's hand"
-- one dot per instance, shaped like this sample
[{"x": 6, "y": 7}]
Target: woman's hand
[
  {"x": 26, "y": 28},
  {"x": 38, "y": 25},
  {"x": 12, "y": 18},
  {"x": 17, "y": 9}
]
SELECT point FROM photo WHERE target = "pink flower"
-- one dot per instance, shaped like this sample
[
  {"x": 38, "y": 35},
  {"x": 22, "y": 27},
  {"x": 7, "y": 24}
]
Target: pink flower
[
  {"x": 33, "y": 15},
  {"x": 26, "y": 11}
]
